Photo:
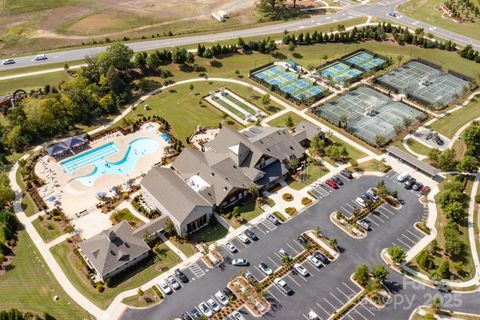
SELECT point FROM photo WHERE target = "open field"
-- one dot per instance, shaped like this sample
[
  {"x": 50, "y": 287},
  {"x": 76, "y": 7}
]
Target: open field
[
  {"x": 424, "y": 10},
  {"x": 70, "y": 265},
  {"x": 450, "y": 124},
  {"x": 47, "y": 229},
  {"x": 282, "y": 120},
  {"x": 30, "y": 286},
  {"x": 418, "y": 147}
]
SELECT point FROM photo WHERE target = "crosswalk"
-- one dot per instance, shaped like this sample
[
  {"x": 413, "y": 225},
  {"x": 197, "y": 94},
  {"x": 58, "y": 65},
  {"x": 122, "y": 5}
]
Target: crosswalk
[
  {"x": 320, "y": 191},
  {"x": 196, "y": 270},
  {"x": 269, "y": 225}
]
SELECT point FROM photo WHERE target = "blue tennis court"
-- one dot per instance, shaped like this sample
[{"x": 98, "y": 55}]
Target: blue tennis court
[
  {"x": 365, "y": 61},
  {"x": 339, "y": 72},
  {"x": 289, "y": 82}
]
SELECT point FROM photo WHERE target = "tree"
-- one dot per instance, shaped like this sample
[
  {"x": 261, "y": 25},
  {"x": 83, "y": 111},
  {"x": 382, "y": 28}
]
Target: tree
[
  {"x": 6, "y": 193},
  {"x": 333, "y": 243},
  {"x": 286, "y": 260},
  {"x": 399, "y": 59},
  {"x": 266, "y": 99},
  {"x": 471, "y": 135},
  {"x": 407, "y": 122},
  {"x": 254, "y": 190},
  {"x": 361, "y": 274},
  {"x": 397, "y": 254},
  {"x": 380, "y": 273},
  {"x": 468, "y": 164},
  {"x": 436, "y": 303},
  {"x": 153, "y": 61},
  {"x": 140, "y": 59},
  {"x": 443, "y": 271},
  {"x": 380, "y": 140},
  {"x": 425, "y": 261},
  {"x": 140, "y": 292},
  {"x": 169, "y": 227},
  {"x": 289, "y": 122},
  {"x": 291, "y": 46},
  {"x": 454, "y": 211},
  {"x": 117, "y": 55}
]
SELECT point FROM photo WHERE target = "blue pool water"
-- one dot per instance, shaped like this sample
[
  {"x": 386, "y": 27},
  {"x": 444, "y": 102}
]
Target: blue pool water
[
  {"x": 165, "y": 137},
  {"x": 136, "y": 149}
]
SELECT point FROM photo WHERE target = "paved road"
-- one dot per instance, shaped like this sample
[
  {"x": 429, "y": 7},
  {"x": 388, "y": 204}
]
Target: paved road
[
  {"x": 328, "y": 288},
  {"x": 380, "y": 9}
]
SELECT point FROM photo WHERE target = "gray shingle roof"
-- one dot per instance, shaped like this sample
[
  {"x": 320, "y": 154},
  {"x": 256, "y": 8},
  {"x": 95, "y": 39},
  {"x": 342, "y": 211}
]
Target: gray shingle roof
[
  {"x": 172, "y": 192},
  {"x": 113, "y": 248}
]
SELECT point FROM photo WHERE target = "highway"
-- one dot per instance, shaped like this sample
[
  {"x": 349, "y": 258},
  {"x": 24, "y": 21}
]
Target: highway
[{"x": 379, "y": 10}]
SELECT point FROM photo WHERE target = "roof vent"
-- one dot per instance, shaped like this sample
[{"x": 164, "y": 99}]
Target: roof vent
[
  {"x": 225, "y": 188},
  {"x": 212, "y": 173}
]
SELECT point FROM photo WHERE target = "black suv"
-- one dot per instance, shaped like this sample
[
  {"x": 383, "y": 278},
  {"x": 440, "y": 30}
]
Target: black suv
[
  {"x": 320, "y": 256},
  {"x": 347, "y": 174},
  {"x": 409, "y": 183},
  {"x": 251, "y": 235},
  {"x": 337, "y": 180},
  {"x": 180, "y": 275}
]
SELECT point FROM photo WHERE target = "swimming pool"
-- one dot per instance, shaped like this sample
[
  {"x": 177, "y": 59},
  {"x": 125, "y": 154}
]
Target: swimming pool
[{"x": 136, "y": 149}]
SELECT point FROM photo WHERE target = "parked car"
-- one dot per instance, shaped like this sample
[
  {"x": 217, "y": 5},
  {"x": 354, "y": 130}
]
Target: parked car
[
  {"x": 283, "y": 253},
  {"x": 347, "y": 174},
  {"x": 251, "y": 235},
  {"x": 320, "y": 256},
  {"x": 337, "y": 180},
  {"x": 173, "y": 282},
  {"x": 425, "y": 190},
  {"x": 364, "y": 224},
  {"x": 393, "y": 14},
  {"x": 409, "y": 183},
  {"x": 240, "y": 262},
  {"x": 273, "y": 219},
  {"x": 282, "y": 285},
  {"x": 250, "y": 277},
  {"x": 265, "y": 268},
  {"x": 243, "y": 237},
  {"x": 186, "y": 316},
  {"x": 312, "y": 315},
  {"x": 214, "y": 305},
  {"x": 365, "y": 197},
  {"x": 40, "y": 57},
  {"x": 301, "y": 238},
  {"x": 417, "y": 186},
  {"x": 360, "y": 202},
  {"x": 403, "y": 176},
  {"x": 229, "y": 293},
  {"x": 238, "y": 316},
  {"x": 231, "y": 247},
  {"x": 371, "y": 194},
  {"x": 164, "y": 287},
  {"x": 331, "y": 183},
  {"x": 195, "y": 313},
  {"x": 221, "y": 297},
  {"x": 205, "y": 309},
  {"x": 316, "y": 262},
  {"x": 180, "y": 275},
  {"x": 8, "y": 61},
  {"x": 301, "y": 269}
]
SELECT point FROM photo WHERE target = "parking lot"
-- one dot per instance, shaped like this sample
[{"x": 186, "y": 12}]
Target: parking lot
[{"x": 326, "y": 289}]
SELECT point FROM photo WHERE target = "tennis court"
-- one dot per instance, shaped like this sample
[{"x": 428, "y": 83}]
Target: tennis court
[
  {"x": 339, "y": 72},
  {"x": 365, "y": 61},
  {"x": 300, "y": 89},
  {"x": 368, "y": 114},
  {"x": 425, "y": 83}
]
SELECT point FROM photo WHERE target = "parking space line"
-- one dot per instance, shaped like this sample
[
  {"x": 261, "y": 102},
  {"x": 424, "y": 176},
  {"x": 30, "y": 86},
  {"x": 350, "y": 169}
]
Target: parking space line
[
  {"x": 374, "y": 222},
  {"x": 273, "y": 261},
  {"x": 331, "y": 305},
  {"x": 269, "y": 292},
  {"x": 351, "y": 207},
  {"x": 413, "y": 234},
  {"x": 298, "y": 284},
  {"x": 256, "y": 227},
  {"x": 408, "y": 238},
  {"x": 294, "y": 250},
  {"x": 354, "y": 292},
  {"x": 341, "y": 302},
  {"x": 366, "y": 308},
  {"x": 377, "y": 217},
  {"x": 320, "y": 306},
  {"x": 406, "y": 245},
  {"x": 361, "y": 315},
  {"x": 346, "y": 296},
  {"x": 241, "y": 242},
  {"x": 384, "y": 207},
  {"x": 382, "y": 214}
]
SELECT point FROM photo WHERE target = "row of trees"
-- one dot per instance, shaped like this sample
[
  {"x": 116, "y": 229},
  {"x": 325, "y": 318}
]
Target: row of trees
[
  {"x": 14, "y": 314},
  {"x": 325, "y": 147}
]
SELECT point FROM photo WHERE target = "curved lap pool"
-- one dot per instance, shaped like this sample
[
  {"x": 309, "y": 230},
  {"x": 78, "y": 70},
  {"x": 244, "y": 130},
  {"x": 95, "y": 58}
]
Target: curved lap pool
[{"x": 136, "y": 149}]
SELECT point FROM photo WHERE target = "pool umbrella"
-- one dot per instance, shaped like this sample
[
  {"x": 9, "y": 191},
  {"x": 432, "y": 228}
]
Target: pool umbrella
[{"x": 52, "y": 198}]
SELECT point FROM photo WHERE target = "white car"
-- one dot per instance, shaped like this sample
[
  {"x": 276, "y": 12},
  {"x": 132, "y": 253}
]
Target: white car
[
  {"x": 164, "y": 287},
  {"x": 403, "y": 176},
  {"x": 364, "y": 224},
  {"x": 372, "y": 194},
  {"x": 265, "y": 268},
  {"x": 316, "y": 262},
  {"x": 214, "y": 305},
  {"x": 221, "y": 297},
  {"x": 301, "y": 269},
  {"x": 360, "y": 202},
  {"x": 240, "y": 262},
  {"x": 237, "y": 316},
  {"x": 205, "y": 309},
  {"x": 231, "y": 247},
  {"x": 173, "y": 282},
  {"x": 8, "y": 61},
  {"x": 40, "y": 57},
  {"x": 243, "y": 237}
]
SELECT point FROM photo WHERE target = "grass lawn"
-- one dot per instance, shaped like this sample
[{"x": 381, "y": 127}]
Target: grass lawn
[
  {"x": 424, "y": 10},
  {"x": 311, "y": 174},
  {"x": 460, "y": 149},
  {"x": 213, "y": 232},
  {"x": 248, "y": 209},
  {"x": 254, "y": 98},
  {"x": 149, "y": 298},
  {"x": 450, "y": 124},
  {"x": 27, "y": 203},
  {"x": 373, "y": 165},
  {"x": 33, "y": 82},
  {"x": 186, "y": 247},
  {"x": 180, "y": 107},
  {"x": 30, "y": 285},
  {"x": 282, "y": 120},
  {"x": 353, "y": 152},
  {"x": 418, "y": 147},
  {"x": 125, "y": 215},
  {"x": 74, "y": 270},
  {"x": 48, "y": 229}
]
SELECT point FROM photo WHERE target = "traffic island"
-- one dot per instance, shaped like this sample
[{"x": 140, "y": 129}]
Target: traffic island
[
  {"x": 253, "y": 299},
  {"x": 338, "y": 219}
]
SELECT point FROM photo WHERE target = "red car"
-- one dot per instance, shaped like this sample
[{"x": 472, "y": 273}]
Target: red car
[
  {"x": 331, "y": 184},
  {"x": 425, "y": 190}
]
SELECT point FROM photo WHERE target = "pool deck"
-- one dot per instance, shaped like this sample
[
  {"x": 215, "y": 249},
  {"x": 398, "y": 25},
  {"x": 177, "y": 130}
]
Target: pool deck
[{"x": 76, "y": 197}]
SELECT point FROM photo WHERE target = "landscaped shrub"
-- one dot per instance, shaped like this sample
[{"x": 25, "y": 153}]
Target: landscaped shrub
[
  {"x": 290, "y": 211},
  {"x": 306, "y": 201},
  {"x": 287, "y": 197}
]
